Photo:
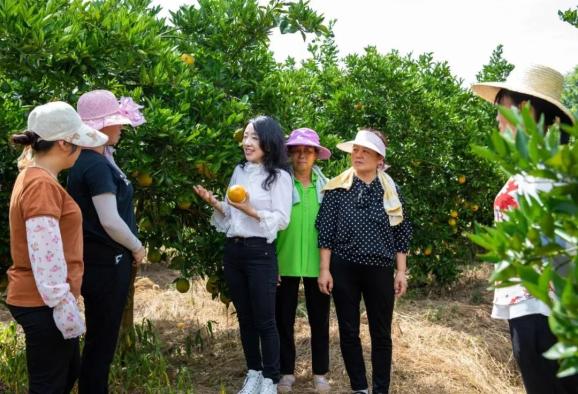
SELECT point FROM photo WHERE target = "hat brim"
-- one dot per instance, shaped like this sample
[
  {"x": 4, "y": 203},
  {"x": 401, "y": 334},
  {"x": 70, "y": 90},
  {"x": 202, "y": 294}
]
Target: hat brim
[
  {"x": 110, "y": 120},
  {"x": 324, "y": 153},
  {"x": 348, "y": 146},
  {"x": 87, "y": 137},
  {"x": 489, "y": 90}
]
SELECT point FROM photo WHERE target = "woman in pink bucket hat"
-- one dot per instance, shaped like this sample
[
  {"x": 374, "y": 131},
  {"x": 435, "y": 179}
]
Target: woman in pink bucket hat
[
  {"x": 298, "y": 257},
  {"x": 111, "y": 245}
]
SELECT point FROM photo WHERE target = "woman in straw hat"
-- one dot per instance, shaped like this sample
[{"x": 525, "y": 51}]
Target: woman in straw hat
[
  {"x": 298, "y": 257},
  {"x": 527, "y": 316},
  {"x": 46, "y": 247},
  {"x": 363, "y": 234},
  {"x": 111, "y": 245}
]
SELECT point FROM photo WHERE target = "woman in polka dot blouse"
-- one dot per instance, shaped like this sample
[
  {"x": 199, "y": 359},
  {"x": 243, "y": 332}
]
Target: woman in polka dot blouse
[{"x": 363, "y": 233}]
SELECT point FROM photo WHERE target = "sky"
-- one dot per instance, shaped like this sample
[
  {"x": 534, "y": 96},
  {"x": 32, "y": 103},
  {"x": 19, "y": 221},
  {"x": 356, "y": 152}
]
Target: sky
[{"x": 461, "y": 32}]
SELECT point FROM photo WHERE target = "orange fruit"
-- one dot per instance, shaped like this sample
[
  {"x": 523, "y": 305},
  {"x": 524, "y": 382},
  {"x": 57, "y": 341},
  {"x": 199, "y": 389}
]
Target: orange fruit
[
  {"x": 452, "y": 222},
  {"x": 184, "y": 203},
  {"x": 237, "y": 193},
  {"x": 475, "y": 207},
  {"x": 144, "y": 180},
  {"x": 427, "y": 251},
  {"x": 183, "y": 285},
  {"x": 154, "y": 256},
  {"x": 185, "y": 57},
  {"x": 454, "y": 213},
  {"x": 358, "y": 106},
  {"x": 462, "y": 179},
  {"x": 238, "y": 135}
]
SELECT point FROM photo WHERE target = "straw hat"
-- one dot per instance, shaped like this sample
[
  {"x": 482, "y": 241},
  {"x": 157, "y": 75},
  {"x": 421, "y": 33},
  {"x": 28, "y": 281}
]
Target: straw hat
[{"x": 535, "y": 80}]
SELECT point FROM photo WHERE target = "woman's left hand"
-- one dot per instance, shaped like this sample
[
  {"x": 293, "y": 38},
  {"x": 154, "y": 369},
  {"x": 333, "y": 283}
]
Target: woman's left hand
[
  {"x": 400, "y": 283},
  {"x": 244, "y": 207}
]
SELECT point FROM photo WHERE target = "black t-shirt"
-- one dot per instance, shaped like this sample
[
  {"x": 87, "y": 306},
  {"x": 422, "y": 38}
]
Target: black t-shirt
[{"x": 92, "y": 175}]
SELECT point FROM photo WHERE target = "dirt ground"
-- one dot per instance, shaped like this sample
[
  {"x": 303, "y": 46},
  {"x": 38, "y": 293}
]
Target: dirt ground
[{"x": 443, "y": 343}]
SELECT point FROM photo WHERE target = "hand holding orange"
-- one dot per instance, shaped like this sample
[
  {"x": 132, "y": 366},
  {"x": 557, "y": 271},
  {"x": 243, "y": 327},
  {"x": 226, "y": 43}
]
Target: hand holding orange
[{"x": 237, "y": 194}]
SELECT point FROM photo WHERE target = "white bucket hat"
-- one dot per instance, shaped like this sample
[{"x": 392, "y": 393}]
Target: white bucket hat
[
  {"x": 535, "y": 80},
  {"x": 59, "y": 121},
  {"x": 366, "y": 139}
]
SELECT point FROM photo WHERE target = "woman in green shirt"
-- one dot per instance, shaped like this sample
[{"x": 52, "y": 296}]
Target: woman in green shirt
[{"x": 298, "y": 256}]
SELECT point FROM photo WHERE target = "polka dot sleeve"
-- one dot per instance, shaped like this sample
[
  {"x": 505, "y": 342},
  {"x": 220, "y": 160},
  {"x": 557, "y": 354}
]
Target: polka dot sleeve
[{"x": 327, "y": 219}]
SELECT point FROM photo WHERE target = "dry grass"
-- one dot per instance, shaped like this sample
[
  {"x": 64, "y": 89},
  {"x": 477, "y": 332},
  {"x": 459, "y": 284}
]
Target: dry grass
[{"x": 443, "y": 343}]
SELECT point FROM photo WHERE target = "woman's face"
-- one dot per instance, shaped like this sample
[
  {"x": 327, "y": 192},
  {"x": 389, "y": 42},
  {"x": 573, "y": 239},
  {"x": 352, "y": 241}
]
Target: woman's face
[
  {"x": 251, "y": 146},
  {"x": 302, "y": 157},
  {"x": 503, "y": 123},
  {"x": 364, "y": 159},
  {"x": 113, "y": 132}
]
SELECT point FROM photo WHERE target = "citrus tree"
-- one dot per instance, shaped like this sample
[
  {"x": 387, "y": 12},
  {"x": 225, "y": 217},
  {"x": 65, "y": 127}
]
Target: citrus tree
[{"x": 537, "y": 244}]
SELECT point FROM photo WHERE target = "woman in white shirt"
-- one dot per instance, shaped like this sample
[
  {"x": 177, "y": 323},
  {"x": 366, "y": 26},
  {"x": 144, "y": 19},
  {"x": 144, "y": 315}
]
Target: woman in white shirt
[
  {"x": 250, "y": 262},
  {"x": 527, "y": 316}
]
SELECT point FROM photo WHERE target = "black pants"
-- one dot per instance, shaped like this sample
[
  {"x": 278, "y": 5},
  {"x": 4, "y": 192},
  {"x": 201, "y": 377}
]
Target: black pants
[
  {"x": 250, "y": 266},
  {"x": 531, "y": 337},
  {"x": 318, "y": 315},
  {"x": 53, "y": 362},
  {"x": 375, "y": 284},
  {"x": 105, "y": 290}
]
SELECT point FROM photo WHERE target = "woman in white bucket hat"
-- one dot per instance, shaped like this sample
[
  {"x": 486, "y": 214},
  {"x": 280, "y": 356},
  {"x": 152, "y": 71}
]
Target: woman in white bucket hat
[
  {"x": 363, "y": 234},
  {"x": 527, "y": 316},
  {"x": 46, "y": 247}
]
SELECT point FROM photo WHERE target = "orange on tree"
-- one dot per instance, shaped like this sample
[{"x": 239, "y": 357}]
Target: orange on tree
[
  {"x": 454, "y": 213},
  {"x": 184, "y": 202},
  {"x": 237, "y": 193},
  {"x": 462, "y": 179},
  {"x": 189, "y": 59},
  {"x": 428, "y": 250},
  {"x": 238, "y": 135},
  {"x": 144, "y": 179},
  {"x": 475, "y": 207},
  {"x": 452, "y": 222},
  {"x": 154, "y": 256}
]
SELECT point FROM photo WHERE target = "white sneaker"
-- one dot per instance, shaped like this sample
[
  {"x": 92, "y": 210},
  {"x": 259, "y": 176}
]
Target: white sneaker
[
  {"x": 268, "y": 387},
  {"x": 321, "y": 384},
  {"x": 285, "y": 385},
  {"x": 252, "y": 383}
]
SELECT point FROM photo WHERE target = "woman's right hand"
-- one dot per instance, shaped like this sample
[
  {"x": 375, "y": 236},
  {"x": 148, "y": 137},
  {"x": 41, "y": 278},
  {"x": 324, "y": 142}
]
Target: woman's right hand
[
  {"x": 206, "y": 195},
  {"x": 325, "y": 282}
]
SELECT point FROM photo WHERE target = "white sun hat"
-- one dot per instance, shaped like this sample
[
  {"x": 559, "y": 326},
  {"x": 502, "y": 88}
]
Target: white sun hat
[
  {"x": 366, "y": 139},
  {"x": 59, "y": 121},
  {"x": 535, "y": 80}
]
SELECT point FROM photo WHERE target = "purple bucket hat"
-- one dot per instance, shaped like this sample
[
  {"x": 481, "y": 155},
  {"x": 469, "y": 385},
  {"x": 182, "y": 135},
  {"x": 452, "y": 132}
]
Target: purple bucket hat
[
  {"x": 308, "y": 137},
  {"x": 100, "y": 108}
]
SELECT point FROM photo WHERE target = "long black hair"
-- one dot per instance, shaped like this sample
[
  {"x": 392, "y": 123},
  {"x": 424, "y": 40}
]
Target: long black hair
[
  {"x": 272, "y": 143},
  {"x": 540, "y": 106}
]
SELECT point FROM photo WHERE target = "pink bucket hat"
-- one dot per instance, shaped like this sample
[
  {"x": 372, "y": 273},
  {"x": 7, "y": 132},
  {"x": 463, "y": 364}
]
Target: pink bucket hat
[
  {"x": 308, "y": 137},
  {"x": 100, "y": 108}
]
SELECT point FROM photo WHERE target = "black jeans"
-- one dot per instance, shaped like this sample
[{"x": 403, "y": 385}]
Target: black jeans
[
  {"x": 250, "y": 266},
  {"x": 318, "y": 315},
  {"x": 105, "y": 290},
  {"x": 531, "y": 337},
  {"x": 375, "y": 284},
  {"x": 53, "y": 362}
]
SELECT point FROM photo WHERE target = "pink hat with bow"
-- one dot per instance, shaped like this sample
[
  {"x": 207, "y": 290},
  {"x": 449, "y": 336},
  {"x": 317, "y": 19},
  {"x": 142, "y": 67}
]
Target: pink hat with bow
[
  {"x": 308, "y": 137},
  {"x": 100, "y": 108}
]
